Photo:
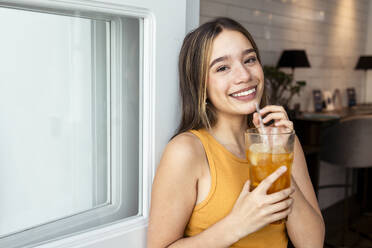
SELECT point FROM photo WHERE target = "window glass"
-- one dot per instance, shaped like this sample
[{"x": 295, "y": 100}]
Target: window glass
[{"x": 69, "y": 122}]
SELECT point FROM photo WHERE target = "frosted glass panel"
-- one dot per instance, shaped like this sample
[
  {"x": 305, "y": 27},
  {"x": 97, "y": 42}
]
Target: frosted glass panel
[{"x": 53, "y": 117}]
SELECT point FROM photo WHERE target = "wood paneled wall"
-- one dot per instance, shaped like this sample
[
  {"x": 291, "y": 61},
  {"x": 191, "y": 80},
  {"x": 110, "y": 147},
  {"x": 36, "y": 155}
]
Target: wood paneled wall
[{"x": 333, "y": 33}]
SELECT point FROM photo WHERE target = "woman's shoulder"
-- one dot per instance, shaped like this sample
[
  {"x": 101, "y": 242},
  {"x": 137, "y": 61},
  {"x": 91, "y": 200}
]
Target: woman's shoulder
[
  {"x": 186, "y": 146},
  {"x": 182, "y": 156}
]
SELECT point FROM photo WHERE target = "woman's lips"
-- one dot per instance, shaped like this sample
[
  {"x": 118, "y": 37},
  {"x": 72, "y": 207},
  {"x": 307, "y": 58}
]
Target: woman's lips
[{"x": 246, "y": 95}]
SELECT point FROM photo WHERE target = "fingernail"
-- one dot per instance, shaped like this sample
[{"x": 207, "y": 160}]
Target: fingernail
[{"x": 283, "y": 168}]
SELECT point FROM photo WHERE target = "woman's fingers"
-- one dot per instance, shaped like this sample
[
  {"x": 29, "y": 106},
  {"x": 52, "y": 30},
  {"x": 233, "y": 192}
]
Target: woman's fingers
[
  {"x": 268, "y": 181},
  {"x": 281, "y": 215},
  {"x": 246, "y": 188},
  {"x": 273, "y": 113},
  {"x": 256, "y": 120},
  {"x": 244, "y": 192},
  {"x": 280, "y": 206},
  {"x": 275, "y": 116},
  {"x": 284, "y": 123},
  {"x": 272, "y": 108},
  {"x": 280, "y": 195}
]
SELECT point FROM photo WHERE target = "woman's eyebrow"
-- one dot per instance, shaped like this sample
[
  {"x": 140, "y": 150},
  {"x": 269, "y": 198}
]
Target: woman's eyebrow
[
  {"x": 245, "y": 52},
  {"x": 218, "y": 60},
  {"x": 250, "y": 50}
]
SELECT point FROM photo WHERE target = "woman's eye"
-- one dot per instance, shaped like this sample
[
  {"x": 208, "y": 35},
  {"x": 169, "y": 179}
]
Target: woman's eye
[
  {"x": 250, "y": 60},
  {"x": 221, "y": 68}
]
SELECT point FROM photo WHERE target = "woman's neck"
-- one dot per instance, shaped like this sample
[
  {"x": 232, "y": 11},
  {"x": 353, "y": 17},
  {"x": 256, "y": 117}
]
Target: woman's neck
[{"x": 230, "y": 133}]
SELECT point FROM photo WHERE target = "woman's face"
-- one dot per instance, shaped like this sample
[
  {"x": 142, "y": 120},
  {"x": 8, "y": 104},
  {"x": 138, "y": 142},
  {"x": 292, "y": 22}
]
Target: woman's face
[{"x": 235, "y": 77}]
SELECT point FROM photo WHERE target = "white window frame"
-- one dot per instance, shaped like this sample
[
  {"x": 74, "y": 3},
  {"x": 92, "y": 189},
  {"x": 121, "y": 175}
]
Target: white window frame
[{"x": 147, "y": 124}]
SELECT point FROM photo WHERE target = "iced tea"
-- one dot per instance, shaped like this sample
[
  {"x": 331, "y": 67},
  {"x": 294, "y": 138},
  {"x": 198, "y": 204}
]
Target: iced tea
[
  {"x": 264, "y": 161},
  {"x": 266, "y": 150}
]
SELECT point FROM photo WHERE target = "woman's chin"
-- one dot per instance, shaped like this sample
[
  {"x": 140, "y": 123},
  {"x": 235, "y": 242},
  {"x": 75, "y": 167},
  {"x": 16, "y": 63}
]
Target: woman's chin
[{"x": 251, "y": 108}]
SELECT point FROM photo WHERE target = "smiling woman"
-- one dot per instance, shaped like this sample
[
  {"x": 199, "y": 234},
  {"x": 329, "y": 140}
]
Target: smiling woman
[{"x": 221, "y": 82}]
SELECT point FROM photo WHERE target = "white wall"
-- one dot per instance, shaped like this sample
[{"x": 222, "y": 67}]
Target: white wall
[
  {"x": 332, "y": 32},
  {"x": 368, "y": 51},
  {"x": 192, "y": 14}
]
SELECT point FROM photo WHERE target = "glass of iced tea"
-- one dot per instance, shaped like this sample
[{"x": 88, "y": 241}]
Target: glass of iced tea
[{"x": 267, "y": 149}]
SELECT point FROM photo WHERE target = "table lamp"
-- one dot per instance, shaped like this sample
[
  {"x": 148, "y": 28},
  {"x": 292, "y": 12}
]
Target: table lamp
[
  {"x": 293, "y": 59},
  {"x": 364, "y": 63}
]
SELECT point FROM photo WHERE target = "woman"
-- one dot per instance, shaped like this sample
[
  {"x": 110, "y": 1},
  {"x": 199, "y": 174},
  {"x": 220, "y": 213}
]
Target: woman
[{"x": 201, "y": 195}]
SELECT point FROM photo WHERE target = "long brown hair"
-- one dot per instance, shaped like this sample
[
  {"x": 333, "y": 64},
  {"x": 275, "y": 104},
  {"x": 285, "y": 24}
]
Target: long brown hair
[{"x": 194, "y": 57}]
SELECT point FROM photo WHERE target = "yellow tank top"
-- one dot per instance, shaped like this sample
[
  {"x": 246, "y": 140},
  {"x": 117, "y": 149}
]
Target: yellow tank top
[{"x": 228, "y": 175}]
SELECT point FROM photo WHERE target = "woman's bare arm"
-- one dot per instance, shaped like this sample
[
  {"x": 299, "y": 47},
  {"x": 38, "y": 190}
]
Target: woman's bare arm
[
  {"x": 174, "y": 196},
  {"x": 305, "y": 224}
]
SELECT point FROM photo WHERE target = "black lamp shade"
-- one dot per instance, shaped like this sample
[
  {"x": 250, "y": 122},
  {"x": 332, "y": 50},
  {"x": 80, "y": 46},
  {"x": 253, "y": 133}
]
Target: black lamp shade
[
  {"x": 293, "y": 59},
  {"x": 364, "y": 63}
]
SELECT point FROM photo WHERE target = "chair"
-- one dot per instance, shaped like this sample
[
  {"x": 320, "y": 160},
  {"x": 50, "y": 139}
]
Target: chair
[{"x": 348, "y": 144}]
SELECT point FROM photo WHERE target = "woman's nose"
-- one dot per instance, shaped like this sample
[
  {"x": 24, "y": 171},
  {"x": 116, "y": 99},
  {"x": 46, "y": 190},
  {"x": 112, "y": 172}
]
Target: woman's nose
[{"x": 243, "y": 74}]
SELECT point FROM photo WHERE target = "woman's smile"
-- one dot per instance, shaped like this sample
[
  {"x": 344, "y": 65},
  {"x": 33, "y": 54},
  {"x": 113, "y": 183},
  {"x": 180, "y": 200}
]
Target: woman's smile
[{"x": 246, "y": 94}]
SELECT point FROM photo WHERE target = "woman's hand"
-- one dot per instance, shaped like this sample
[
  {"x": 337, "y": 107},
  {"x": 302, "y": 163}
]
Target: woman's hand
[
  {"x": 254, "y": 210},
  {"x": 275, "y": 113}
]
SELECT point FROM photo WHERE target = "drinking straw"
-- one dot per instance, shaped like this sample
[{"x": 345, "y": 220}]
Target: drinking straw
[
  {"x": 260, "y": 118},
  {"x": 262, "y": 126}
]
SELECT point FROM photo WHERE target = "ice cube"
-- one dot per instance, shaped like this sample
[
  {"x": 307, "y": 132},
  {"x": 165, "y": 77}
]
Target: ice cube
[
  {"x": 259, "y": 148},
  {"x": 253, "y": 158},
  {"x": 259, "y": 153},
  {"x": 279, "y": 154},
  {"x": 278, "y": 150}
]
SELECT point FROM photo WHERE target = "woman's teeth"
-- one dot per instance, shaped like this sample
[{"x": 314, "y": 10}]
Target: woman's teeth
[{"x": 245, "y": 93}]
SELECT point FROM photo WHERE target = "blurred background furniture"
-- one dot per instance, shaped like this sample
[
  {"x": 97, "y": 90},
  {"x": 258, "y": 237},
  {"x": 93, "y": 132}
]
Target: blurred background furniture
[
  {"x": 348, "y": 144},
  {"x": 309, "y": 127}
]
